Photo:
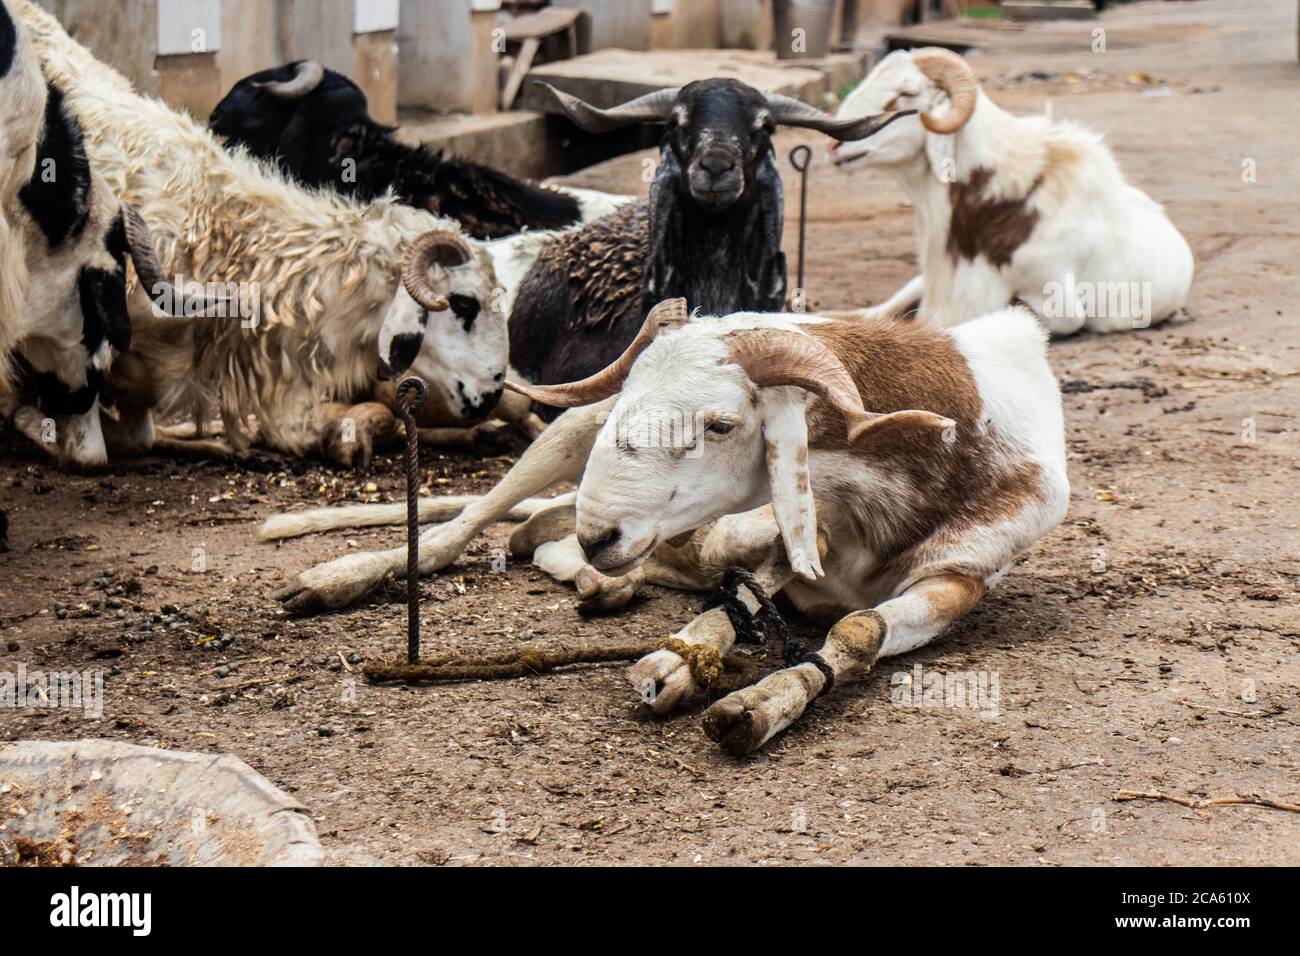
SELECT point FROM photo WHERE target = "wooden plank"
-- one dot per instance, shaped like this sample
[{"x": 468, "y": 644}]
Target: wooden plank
[
  {"x": 523, "y": 63},
  {"x": 1056, "y": 10},
  {"x": 609, "y": 77},
  {"x": 543, "y": 23}
]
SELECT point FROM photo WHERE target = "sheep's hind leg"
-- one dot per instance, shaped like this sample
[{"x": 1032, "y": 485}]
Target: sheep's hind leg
[
  {"x": 558, "y": 456},
  {"x": 745, "y": 720},
  {"x": 353, "y": 432}
]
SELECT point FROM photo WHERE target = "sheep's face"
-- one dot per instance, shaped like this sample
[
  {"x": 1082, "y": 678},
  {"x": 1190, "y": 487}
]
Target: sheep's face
[
  {"x": 461, "y": 352},
  {"x": 718, "y": 134},
  {"x": 895, "y": 84},
  {"x": 682, "y": 446}
]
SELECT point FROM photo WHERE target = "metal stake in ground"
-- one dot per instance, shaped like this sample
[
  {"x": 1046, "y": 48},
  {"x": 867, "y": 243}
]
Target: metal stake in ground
[
  {"x": 410, "y": 396},
  {"x": 801, "y": 164}
]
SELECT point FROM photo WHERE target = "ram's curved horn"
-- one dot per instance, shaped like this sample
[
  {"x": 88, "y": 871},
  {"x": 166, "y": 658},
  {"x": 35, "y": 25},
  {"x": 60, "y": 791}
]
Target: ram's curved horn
[
  {"x": 951, "y": 73},
  {"x": 667, "y": 315},
  {"x": 144, "y": 255},
  {"x": 436, "y": 247},
  {"x": 654, "y": 107},
  {"x": 788, "y": 111},
  {"x": 306, "y": 77},
  {"x": 778, "y": 357}
]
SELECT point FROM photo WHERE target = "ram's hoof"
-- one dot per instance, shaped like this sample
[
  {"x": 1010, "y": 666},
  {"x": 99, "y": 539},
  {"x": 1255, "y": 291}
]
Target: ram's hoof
[
  {"x": 748, "y": 718},
  {"x": 301, "y": 601},
  {"x": 345, "y": 454},
  {"x": 602, "y": 595},
  {"x": 736, "y": 726}
]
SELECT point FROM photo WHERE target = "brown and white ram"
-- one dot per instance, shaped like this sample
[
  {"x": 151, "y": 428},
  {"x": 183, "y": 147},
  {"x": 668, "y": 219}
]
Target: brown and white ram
[
  {"x": 882, "y": 475},
  {"x": 1013, "y": 208}
]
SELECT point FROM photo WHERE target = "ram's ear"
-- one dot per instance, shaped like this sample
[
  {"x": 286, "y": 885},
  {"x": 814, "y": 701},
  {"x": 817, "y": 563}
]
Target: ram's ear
[
  {"x": 402, "y": 335},
  {"x": 785, "y": 432},
  {"x": 940, "y": 150}
]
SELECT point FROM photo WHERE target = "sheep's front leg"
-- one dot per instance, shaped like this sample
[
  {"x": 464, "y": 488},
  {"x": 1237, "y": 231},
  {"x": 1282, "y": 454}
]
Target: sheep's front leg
[
  {"x": 76, "y": 441},
  {"x": 746, "y": 719},
  {"x": 549, "y": 537},
  {"x": 518, "y": 411},
  {"x": 559, "y": 455},
  {"x": 664, "y": 679},
  {"x": 484, "y": 438}
]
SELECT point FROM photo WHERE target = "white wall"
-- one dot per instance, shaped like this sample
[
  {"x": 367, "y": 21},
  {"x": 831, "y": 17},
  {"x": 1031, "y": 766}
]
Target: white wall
[{"x": 189, "y": 26}]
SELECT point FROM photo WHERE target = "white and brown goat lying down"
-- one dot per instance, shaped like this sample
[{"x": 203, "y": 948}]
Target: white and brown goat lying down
[
  {"x": 889, "y": 524},
  {"x": 1013, "y": 208}
]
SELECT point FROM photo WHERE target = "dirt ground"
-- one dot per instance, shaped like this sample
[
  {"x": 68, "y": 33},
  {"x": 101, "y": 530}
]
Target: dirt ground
[{"x": 1150, "y": 643}]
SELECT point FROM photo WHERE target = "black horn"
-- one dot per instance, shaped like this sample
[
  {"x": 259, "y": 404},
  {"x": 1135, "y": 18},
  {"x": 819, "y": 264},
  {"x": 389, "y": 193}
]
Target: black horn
[
  {"x": 789, "y": 111},
  {"x": 654, "y": 107},
  {"x": 144, "y": 255}
]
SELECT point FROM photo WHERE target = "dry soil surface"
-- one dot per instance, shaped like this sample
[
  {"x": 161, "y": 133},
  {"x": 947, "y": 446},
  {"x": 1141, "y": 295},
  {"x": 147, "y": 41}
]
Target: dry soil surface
[{"x": 1149, "y": 643}]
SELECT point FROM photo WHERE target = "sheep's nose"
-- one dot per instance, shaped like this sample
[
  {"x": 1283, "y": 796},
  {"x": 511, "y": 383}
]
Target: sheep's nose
[
  {"x": 718, "y": 164},
  {"x": 593, "y": 543},
  {"x": 477, "y": 407}
]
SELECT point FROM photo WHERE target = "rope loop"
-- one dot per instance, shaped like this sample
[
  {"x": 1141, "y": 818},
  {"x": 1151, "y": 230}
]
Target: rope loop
[
  {"x": 705, "y": 663},
  {"x": 755, "y": 628}
]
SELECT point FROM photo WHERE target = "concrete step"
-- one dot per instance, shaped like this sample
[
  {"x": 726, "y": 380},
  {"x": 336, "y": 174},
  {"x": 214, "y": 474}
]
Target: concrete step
[
  {"x": 520, "y": 142},
  {"x": 1054, "y": 10}
]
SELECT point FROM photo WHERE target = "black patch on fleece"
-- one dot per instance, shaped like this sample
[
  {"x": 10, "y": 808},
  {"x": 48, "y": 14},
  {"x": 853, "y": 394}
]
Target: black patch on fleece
[
  {"x": 60, "y": 207},
  {"x": 8, "y": 48},
  {"x": 117, "y": 325},
  {"x": 103, "y": 310},
  {"x": 466, "y": 308},
  {"x": 403, "y": 351},
  {"x": 4, "y": 518}
]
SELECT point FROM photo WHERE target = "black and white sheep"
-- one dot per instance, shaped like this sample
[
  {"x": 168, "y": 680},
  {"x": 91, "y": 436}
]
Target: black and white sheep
[
  {"x": 333, "y": 292},
  {"x": 73, "y": 238},
  {"x": 710, "y": 232}
]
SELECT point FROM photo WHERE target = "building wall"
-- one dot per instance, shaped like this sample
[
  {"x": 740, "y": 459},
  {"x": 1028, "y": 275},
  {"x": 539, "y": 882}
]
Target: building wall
[
  {"x": 687, "y": 24},
  {"x": 125, "y": 37},
  {"x": 251, "y": 38},
  {"x": 618, "y": 23},
  {"x": 447, "y": 57},
  {"x": 746, "y": 24},
  {"x": 190, "y": 52}
]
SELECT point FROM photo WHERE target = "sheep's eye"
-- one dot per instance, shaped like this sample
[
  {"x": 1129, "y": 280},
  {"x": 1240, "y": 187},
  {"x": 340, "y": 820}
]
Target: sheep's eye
[
  {"x": 466, "y": 308},
  {"x": 720, "y": 428}
]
